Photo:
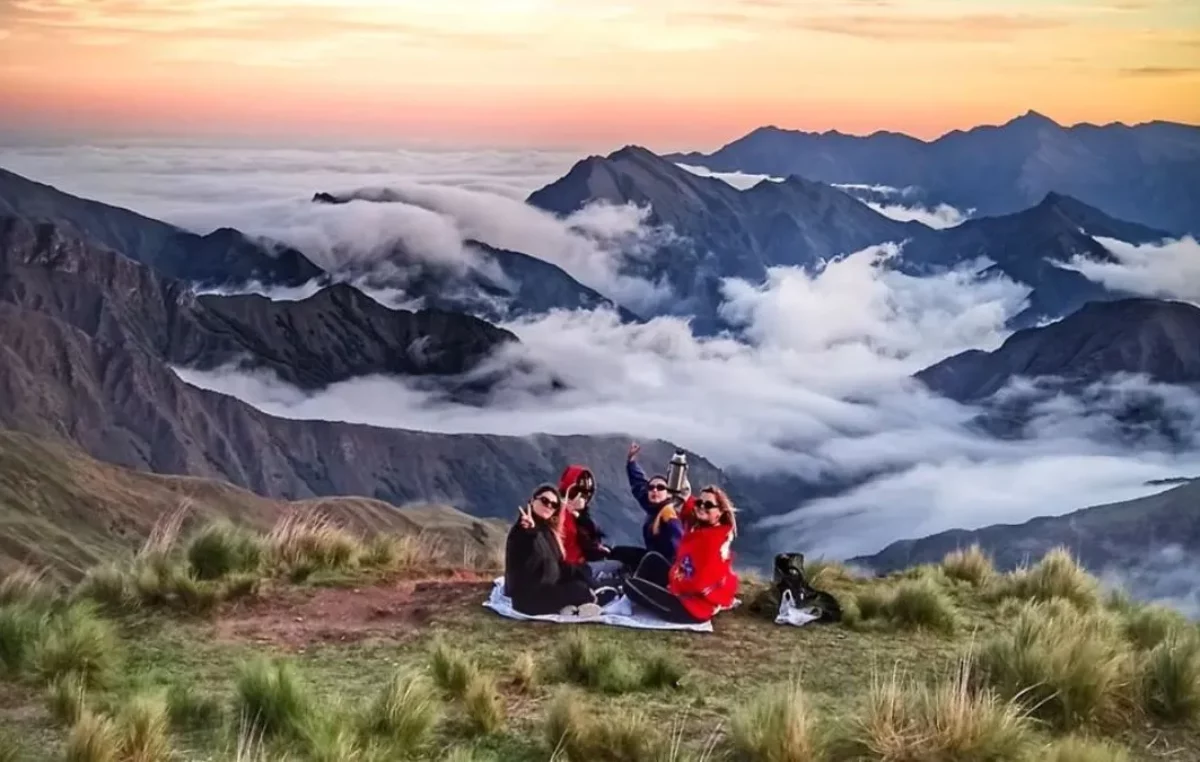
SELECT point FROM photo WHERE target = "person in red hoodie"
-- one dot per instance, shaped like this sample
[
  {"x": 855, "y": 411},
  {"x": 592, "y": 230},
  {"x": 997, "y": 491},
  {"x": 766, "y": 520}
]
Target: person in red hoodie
[
  {"x": 701, "y": 582},
  {"x": 583, "y": 540}
]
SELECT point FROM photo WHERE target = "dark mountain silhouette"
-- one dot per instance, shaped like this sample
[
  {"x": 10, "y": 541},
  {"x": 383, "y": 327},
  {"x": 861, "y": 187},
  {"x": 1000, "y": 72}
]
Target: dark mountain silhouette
[
  {"x": 1159, "y": 339},
  {"x": 1148, "y": 541},
  {"x": 337, "y": 334},
  {"x": 726, "y": 232},
  {"x": 1033, "y": 247},
  {"x": 1149, "y": 173},
  {"x": 224, "y": 257},
  {"x": 723, "y": 232},
  {"x": 88, "y": 337},
  {"x": 509, "y": 284}
]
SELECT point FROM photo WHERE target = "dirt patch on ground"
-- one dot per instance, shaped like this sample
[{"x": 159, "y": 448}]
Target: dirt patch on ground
[{"x": 298, "y": 617}]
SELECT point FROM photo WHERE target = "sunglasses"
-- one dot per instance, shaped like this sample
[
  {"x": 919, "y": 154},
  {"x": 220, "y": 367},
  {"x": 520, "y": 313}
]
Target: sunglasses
[
  {"x": 707, "y": 505},
  {"x": 549, "y": 502},
  {"x": 656, "y": 487}
]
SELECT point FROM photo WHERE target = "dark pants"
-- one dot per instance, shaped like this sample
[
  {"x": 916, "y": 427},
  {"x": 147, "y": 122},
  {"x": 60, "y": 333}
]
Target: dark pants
[
  {"x": 647, "y": 588},
  {"x": 551, "y": 599}
]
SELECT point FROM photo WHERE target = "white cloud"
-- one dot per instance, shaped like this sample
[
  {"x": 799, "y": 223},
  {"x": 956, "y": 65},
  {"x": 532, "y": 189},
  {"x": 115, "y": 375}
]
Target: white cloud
[
  {"x": 941, "y": 216},
  {"x": 739, "y": 180},
  {"x": 882, "y": 190},
  {"x": 821, "y": 388},
  {"x": 1170, "y": 269}
]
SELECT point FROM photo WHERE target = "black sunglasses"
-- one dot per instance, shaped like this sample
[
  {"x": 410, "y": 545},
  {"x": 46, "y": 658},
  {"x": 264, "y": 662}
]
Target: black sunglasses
[
  {"x": 707, "y": 505},
  {"x": 657, "y": 486},
  {"x": 549, "y": 502}
]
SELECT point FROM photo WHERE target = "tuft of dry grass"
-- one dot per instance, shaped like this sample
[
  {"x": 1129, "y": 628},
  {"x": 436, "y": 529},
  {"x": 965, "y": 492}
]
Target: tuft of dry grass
[
  {"x": 452, "y": 670},
  {"x": 1171, "y": 678},
  {"x": 272, "y": 699},
  {"x": 1147, "y": 626},
  {"x": 598, "y": 666},
  {"x": 22, "y": 628},
  {"x": 302, "y": 543},
  {"x": 164, "y": 535},
  {"x": 142, "y": 730},
  {"x": 405, "y": 713},
  {"x": 78, "y": 642},
  {"x": 525, "y": 672},
  {"x": 950, "y": 721},
  {"x": 1070, "y": 667},
  {"x": 66, "y": 699},
  {"x": 777, "y": 726},
  {"x": 484, "y": 705},
  {"x": 971, "y": 565},
  {"x": 221, "y": 549},
  {"x": 1057, "y": 575},
  {"x": 9, "y": 751},
  {"x": 93, "y": 738},
  {"x": 913, "y": 604}
]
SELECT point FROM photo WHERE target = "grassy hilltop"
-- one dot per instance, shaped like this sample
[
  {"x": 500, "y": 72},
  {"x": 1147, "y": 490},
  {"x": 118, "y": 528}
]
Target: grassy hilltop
[{"x": 303, "y": 638}]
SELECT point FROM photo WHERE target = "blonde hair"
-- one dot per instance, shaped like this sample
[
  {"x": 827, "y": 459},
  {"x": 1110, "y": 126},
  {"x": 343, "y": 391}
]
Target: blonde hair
[{"x": 725, "y": 505}]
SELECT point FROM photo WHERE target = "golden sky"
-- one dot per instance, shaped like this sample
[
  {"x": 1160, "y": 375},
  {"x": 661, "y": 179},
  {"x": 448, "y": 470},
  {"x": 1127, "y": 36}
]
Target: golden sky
[{"x": 668, "y": 74}]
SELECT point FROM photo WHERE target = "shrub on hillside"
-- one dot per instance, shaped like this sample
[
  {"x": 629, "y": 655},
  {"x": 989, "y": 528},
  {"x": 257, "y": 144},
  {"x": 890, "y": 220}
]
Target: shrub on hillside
[
  {"x": 1147, "y": 626},
  {"x": 970, "y": 565},
  {"x": 272, "y": 699},
  {"x": 948, "y": 721},
  {"x": 1057, "y": 575},
  {"x": 405, "y": 713},
  {"x": 77, "y": 641},
  {"x": 93, "y": 739},
  {"x": 914, "y": 604},
  {"x": 109, "y": 585},
  {"x": 598, "y": 666},
  {"x": 1171, "y": 678},
  {"x": 776, "y": 726},
  {"x": 484, "y": 705},
  {"x": 1069, "y": 667},
  {"x": 221, "y": 549},
  {"x": 22, "y": 627},
  {"x": 305, "y": 544},
  {"x": 452, "y": 670},
  {"x": 189, "y": 709},
  {"x": 66, "y": 699},
  {"x": 142, "y": 726}
]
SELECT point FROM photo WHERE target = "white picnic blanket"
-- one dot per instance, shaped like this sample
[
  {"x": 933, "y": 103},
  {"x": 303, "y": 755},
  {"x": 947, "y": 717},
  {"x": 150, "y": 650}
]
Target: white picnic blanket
[{"x": 619, "y": 613}]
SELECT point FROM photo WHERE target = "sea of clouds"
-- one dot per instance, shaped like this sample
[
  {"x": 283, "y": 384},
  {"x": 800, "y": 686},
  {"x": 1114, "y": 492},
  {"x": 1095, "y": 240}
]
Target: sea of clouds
[{"x": 820, "y": 386}]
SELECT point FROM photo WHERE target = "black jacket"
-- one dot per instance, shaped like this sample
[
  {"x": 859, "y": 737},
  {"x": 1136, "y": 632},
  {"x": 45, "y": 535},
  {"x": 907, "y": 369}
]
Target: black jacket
[{"x": 536, "y": 577}]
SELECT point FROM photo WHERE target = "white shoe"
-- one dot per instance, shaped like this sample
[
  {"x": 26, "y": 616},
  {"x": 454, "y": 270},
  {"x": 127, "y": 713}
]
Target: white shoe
[{"x": 589, "y": 611}]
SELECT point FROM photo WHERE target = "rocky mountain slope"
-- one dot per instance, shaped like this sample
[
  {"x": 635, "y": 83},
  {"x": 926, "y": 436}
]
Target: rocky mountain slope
[
  {"x": 64, "y": 511},
  {"x": 723, "y": 232},
  {"x": 86, "y": 342},
  {"x": 1149, "y": 173},
  {"x": 726, "y": 232},
  {"x": 336, "y": 334},
  {"x": 506, "y": 284},
  {"x": 1159, "y": 339},
  {"x": 224, "y": 257},
  {"x": 1150, "y": 541}
]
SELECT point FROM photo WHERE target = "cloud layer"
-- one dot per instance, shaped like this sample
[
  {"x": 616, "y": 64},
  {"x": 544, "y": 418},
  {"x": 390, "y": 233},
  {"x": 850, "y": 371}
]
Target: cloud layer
[
  {"x": 821, "y": 388},
  {"x": 1170, "y": 269}
]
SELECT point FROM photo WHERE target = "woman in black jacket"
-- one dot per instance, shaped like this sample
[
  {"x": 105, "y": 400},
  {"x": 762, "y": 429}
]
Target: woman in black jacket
[{"x": 536, "y": 576}]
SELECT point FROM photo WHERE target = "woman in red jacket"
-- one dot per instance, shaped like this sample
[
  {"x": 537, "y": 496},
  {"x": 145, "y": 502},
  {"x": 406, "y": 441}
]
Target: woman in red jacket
[{"x": 701, "y": 581}]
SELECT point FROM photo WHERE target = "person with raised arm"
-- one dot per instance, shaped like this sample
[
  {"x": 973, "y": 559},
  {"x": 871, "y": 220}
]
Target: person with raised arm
[{"x": 537, "y": 576}]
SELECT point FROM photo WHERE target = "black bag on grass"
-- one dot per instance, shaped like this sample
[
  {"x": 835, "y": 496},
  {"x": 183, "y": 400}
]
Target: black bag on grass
[{"x": 789, "y": 577}]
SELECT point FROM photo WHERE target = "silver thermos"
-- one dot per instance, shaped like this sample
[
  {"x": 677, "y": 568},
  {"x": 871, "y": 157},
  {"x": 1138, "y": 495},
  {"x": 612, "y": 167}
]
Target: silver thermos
[{"x": 677, "y": 472}]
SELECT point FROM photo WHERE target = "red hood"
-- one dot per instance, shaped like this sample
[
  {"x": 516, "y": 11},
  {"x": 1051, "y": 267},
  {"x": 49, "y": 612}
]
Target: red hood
[{"x": 571, "y": 475}]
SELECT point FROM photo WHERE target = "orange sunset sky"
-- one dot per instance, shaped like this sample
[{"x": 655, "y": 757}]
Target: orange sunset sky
[{"x": 668, "y": 74}]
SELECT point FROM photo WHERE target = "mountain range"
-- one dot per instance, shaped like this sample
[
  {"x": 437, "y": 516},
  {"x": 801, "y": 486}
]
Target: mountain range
[
  {"x": 1148, "y": 543},
  {"x": 1147, "y": 173},
  {"x": 89, "y": 339},
  {"x": 724, "y": 232}
]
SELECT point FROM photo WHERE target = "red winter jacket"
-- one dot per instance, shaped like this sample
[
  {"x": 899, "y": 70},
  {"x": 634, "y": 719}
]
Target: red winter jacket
[
  {"x": 702, "y": 576},
  {"x": 582, "y": 539}
]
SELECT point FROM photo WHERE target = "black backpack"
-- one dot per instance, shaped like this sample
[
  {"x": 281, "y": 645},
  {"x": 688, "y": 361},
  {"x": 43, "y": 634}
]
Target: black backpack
[{"x": 789, "y": 576}]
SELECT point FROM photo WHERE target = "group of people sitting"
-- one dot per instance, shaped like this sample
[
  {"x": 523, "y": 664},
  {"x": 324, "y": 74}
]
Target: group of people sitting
[{"x": 556, "y": 561}]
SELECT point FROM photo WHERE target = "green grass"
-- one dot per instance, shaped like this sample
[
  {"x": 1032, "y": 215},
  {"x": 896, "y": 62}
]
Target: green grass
[
  {"x": 460, "y": 680},
  {"x": 221, "y": 549},
  {"x": 78, "y": 642}
]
